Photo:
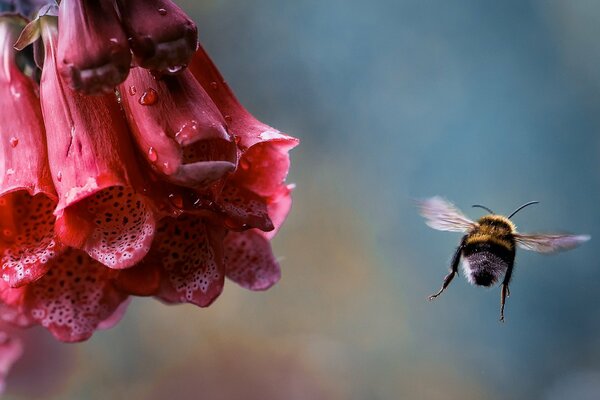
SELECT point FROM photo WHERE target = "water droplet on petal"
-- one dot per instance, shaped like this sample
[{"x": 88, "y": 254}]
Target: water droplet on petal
[
  {"x": 14, "y": 141},
  {"x": 132, "y": 90},
  {"x": 10, "y": 171},
  {"x": 14, "y": 90},
  {"x": 214, "y": 85},
  {"x": 59, "y": 176},
  {"x": 175, "y": 68},
  {"x": 167, "y": 168},
  {"x": 149, "y": 97},
  {"x": 152, "y": 155},
  {"x": 176, "y": 200},
  {"x": 114, "y": 40},
  {"x": 186, "y": 131},
  {"x": 162, "y": 11},
  {"x": 228, "y": 118}
]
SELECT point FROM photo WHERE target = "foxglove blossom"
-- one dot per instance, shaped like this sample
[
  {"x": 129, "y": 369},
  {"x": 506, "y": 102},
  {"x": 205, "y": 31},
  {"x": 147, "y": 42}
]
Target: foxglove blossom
[
  {"x": 163, "y": 37},
  {"x": 178, "y": 128},
  {"x": 94, "y": 171},
  {"x": 95, "y": 27},
  {"x": 165, "y": 194},
  {"x": 27, "y": 196}
]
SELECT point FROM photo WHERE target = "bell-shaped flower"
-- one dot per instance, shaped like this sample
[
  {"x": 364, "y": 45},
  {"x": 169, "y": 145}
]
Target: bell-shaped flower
[
  {"x": 178, "y": 128},
  {"x": 27, "y": 196},
  {"x": 162, "y": 37},
  {"x": 72, "y": 300},
  {"x": 226, "y": 230},
  {"x": 101, "y": 208},
  {"x": 93, "y": 51}
]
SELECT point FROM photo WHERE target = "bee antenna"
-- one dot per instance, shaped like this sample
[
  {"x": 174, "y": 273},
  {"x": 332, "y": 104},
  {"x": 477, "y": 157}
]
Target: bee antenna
[
  {"x": 522, "y": 207},
  {"x": 484, "y": 207}
]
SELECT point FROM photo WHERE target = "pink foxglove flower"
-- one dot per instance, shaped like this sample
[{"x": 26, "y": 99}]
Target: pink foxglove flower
[
  {"x": 93, "y": 53},
  {"x": 226, "y": 230},
  {"x": 163, "y": 37},
  {"x": 178, "y": 128},
  {"x": 100, "y": 209},
  {"x": 27, "y": 196},
  {"x": 71, "y": 300}
]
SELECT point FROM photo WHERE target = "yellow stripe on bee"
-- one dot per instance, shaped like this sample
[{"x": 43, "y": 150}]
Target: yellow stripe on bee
[{"x": 480, "y": 237}]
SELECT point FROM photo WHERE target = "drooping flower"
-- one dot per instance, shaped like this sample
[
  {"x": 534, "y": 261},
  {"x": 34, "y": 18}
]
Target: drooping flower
[
  {"x": 27, "y": 196},
  {"x": 178, "y": 128},
  {"x": 226, "y": 230},
  {"x": 163, "y": 37},
  {"x": 164, "y": 196},
  {"x": 100, "y": 208},
  {"x": 71, "y": 300},
  {"x": 101, "y": 58}
]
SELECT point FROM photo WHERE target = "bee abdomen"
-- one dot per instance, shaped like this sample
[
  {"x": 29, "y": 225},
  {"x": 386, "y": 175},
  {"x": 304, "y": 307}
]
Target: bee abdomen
[{"x": 485, "y": 263}]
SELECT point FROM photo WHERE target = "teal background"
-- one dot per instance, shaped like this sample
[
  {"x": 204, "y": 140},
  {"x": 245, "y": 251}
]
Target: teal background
[{"x": 486, "y": 102}]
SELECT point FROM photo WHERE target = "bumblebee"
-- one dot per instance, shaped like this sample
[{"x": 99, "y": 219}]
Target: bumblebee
[{"x": 488, "y": 247}]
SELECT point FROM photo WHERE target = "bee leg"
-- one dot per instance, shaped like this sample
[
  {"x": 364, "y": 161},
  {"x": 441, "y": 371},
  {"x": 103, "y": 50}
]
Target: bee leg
[
  {"x": 505, "y": 291},
  {"x": 453, "y": 269}
]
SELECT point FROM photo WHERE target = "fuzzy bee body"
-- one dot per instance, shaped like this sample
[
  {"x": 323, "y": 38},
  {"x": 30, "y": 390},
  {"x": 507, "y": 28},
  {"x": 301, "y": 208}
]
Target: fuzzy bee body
[
  {"x": 489, "y": 245},
  {"x": 489, "y": 250}
]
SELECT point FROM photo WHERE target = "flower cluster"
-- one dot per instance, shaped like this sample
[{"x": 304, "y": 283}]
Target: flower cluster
[{"x": 160, "y": 184}]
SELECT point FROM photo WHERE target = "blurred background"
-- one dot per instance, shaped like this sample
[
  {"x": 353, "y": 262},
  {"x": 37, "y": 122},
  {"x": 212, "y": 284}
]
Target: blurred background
[{"x": 487, "y": 102}]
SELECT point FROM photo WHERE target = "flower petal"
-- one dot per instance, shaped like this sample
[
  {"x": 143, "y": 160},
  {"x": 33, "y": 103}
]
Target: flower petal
[
  {"x": 162, "y": 36},
  {"x": 94, "y": 170},
  {"x": 189, "y": 252},
  {"x": 249, "y": 260},
  {"x": 28, "y": 237},
  {"x": 241, "y": 123},
  {"x": 27, "y": 197},
  {"x": 72, "y": 299},
  {"x": 178, "y": 128},
  {"x": 279, "y": 207},
  {"x": 142, "y": 279},
  {"x": 92, "y": 46},
  {"x": 244, "y": 209}
]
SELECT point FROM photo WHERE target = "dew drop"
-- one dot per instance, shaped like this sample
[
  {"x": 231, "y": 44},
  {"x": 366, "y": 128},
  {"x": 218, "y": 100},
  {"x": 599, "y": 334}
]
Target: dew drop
[
  {"x": 152, "y": 155},
  {"x": 175, "y": 69},
  {"x": 14, "y": 141},
  {"x": 149, "y": 97},
  {"x": 228, "y": 118},
  {"x": 10, "y": 171},
  {"x": 59, "y": 176},
  {"x": 245, "y": 164},
  {"x": 186, "y": 131},
  {"x": 162, "y": 11},
  {"x": 132, "y": 90},
  {"x": 214, "y": 85},
  {"x": 176, "y": 200},
  {"x": 167, "y": 168}
]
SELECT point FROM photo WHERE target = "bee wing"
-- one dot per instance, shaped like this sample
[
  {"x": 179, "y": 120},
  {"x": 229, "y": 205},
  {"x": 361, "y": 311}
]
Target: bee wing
[
  {"x": 548, "y": 243},
  {"x": 442, "y": 215}
]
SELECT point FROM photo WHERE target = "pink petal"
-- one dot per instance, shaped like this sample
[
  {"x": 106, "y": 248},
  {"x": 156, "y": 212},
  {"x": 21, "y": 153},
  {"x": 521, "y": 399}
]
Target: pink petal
[
  {"x": 279, "y": 207},
  {"x": 72, "y": 299},
  {"x": 178, "y": 129},
  {"x": 249, "y": 260},
  {"x": 241, "y": 123},
  {"x": 162, "y": 36},
  {"x": 190, "y": 254},
  {"x": 263, "y": 168},
  {"x": 27, "y": 197},
  {"x": 11, "y": 349},
  {"x": 94, "y": 170},
  {"x": 244, "y": 209},
  {"x": 116, "y": 316},
  {"x": 92, "y": 46},
  {"x": 27, "y": 237}
]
